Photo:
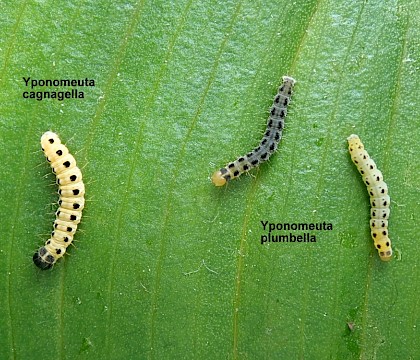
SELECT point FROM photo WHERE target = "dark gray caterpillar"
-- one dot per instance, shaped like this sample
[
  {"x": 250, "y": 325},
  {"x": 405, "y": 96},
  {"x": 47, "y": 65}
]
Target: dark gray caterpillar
[{"x": 268, "y": 144}]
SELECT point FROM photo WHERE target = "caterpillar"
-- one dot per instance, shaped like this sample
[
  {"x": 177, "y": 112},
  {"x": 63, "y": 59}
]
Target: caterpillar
[
  {"x": 71, "y": 202},
  {"x": 379, "y": 198},
  {"x": 268, "y": 144}
]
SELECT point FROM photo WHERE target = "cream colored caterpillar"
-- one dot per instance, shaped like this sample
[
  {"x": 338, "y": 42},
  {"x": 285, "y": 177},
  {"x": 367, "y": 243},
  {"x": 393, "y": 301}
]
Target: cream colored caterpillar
[
  {"x": 268, "y": 144},
  {"x": 379, "y": 198},
  {"x": 72, "y": 201}
]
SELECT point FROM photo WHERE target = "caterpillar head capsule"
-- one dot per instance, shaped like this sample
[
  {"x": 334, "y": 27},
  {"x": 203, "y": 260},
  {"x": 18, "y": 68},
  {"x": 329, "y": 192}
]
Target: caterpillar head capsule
[
  {"x": 218, "y": 179},
  {"x": 43, "y": 259}
]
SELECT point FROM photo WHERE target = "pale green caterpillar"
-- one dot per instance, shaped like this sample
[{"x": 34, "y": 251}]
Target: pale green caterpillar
[{"x": 379, "y": 198}]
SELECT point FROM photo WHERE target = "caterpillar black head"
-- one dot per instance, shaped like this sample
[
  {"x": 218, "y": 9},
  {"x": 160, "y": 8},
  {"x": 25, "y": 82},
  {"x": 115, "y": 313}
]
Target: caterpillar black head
[{"x": 43, "y": 259}]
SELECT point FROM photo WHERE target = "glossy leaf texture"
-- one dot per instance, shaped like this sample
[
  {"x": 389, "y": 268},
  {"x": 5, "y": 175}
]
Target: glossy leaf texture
[{"x": 167, "y": 266}]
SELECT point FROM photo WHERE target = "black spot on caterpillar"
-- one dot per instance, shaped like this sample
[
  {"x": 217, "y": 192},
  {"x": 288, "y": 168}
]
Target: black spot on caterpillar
[
  {"x": 71, "y": 202},
  {"x": 268, "y": 144},
  {"x": 379, "y": 198}
]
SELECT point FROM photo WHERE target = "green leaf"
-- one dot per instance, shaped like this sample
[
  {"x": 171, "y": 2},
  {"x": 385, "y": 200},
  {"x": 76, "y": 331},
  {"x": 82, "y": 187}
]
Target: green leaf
[{"x": 165, "y": 265}]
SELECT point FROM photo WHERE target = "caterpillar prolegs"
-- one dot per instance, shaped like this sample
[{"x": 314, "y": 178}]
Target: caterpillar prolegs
[
  {"x": 269, "y": 142},
  {"x": 379, "y": 198},
  {"x": 71, "y": 202}
]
